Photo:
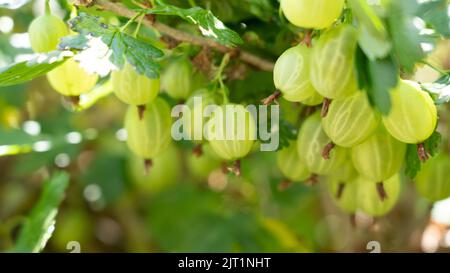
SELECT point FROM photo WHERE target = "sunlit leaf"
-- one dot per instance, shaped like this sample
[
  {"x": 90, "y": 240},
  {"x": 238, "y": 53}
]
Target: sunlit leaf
[
  {"x": 123, "y": 47},
  {"x": 205, "y": 20},
  {"x": 38, "y": 65}
]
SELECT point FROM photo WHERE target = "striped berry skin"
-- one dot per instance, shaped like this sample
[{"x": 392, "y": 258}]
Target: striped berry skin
[
  {"x": 69, "y": 79},
  {"x": 369, "y": 201},
  {"x": 178, "y": 79},
  {"x": 195, "y": 119},
  {"x": 291, "y": 74},
  {"x": 379, "y": 157},
  {"x": 345, "y": 195},
  {"x": 150, "y": 135},
  {"x": 45, "y": 32},
  {"x": 413, "y": 115},
  {"x": 433, "y": 181},
  {"x": 133, "y": 88},
  {"x": 350, "y": 120},
  {"x": 234, "y": 140},
  {"x": 332, "y": 63},
  {"x": 291, "y": 165},
  {"x": 316, "y": 14},
  {"x": 310, "y": 143}
]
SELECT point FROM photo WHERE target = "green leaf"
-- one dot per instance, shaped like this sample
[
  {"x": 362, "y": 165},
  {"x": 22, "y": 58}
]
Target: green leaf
[
  {"x": 39, "y": 225},
  {"x": 377, "y": 78},
  {"x": 124, "y": 47},
  {"x": 439, "y": 90},
  {"x": 13, "y": 4},
  {"x": 413, "y": 163},
  {"x": 37, "y": 66},
  {"x": 373, "y": 36},
  {"x": 208, "y": 24},
  {"x": 435, "y": 13},
  {"x": 405, "y": 35}
]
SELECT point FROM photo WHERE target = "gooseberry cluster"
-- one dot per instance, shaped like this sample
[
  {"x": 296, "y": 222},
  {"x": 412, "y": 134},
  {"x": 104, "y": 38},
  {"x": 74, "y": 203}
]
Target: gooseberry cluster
[{"x": 360, "y": 151}]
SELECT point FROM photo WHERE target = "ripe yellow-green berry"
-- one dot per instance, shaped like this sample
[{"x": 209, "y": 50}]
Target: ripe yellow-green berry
[
  {"x": 291, "y": 165},
  {"x": 369, "y": 200},
  {"x": 310, "y": 143},
  {"x": 350, "y": 120},
  {"x": 231, "y": 133},
  {"x": 413, "y": 115},
  {"x": 379, "y": 157},
  {"x": 291, "y": 74},
  {"x": 178, "y": 79},
  {"x": 433, "y": 181},
  {"x": 133, "y": 88},
  {"x": 332, "y": 63},
  {"x": 69, "y": 79},
  {"x": 45, "y": 32},
  {"x": 149, "y": 136},
  {"x": 317, "y": 14}
]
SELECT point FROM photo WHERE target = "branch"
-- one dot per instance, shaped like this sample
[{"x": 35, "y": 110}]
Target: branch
[{"x": 176, "y": 34}]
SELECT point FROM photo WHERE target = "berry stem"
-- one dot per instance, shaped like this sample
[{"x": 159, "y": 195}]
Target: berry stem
[
  {"x": 327, "y": 150},
  {"x": 325, "y": 107},
  {"x": 236, "y": 168},
  {"x": 421, "y": 151},
  {"x": 284, "y": 185},
  {"x": 148, "y": 163},
  {"x": 312, "y": 180},
  {"x": 340, "y": 190},
  {"x": 141, "y": 110},
  {"x": 224, "y": 168},
  {"x": 307, "y": 40},
  {"x": 74, "y": 100},
  {"x": 381, "y": 191},
  {"x": 272, "y": 98},
  {"x": 198, "y": 150}
]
